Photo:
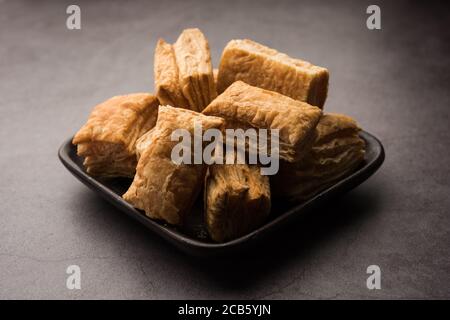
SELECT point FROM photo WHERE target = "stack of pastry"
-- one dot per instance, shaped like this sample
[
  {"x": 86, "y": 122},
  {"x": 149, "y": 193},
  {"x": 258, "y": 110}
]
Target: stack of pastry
[
  {"x": 108, "y": 140},
  {"x": 259, "y": 88},
  {"x": 183, "y": 72},
  {"x": 336, "y": 152},
  {"x": 237, "y": 199},
  {"x": 267, "y": 68},
  {"x": 164, "y": 189},
  {"x": 245, "y": 106}
]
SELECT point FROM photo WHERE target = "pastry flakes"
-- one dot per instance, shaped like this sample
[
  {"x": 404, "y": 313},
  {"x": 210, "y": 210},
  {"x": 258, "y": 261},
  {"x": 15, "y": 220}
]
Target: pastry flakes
[
  {"x": 183, "y": 71},
  {"x": 163, "y": 189},
  {"x": 167, "y": 85},
  {"x": 267, "y": 68},
  {"x": 246, "y": 106},
  {"x": 144, "y": 142},
  {"x": 236, "y": 199},
  {"x": 107, "y": 141},
  {"x": 337, "y": 151}
]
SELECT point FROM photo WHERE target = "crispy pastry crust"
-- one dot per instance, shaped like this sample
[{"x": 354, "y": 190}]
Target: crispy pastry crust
[
  {"x": 237, "y": 200},
  {"x": 166, "y": 75},
  {"x": 246, "y": 106},
  {"x": 195, "y": 69},
  {"x": 163, "y": 189},
  {"x": 144, "y": 142},
  {"x": 267, "y": 68},
  {"x": 337, "y": 151},
  {"x": 107, "y": 140}
]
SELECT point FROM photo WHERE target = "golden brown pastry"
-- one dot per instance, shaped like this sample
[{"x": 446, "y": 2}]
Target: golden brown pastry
[
  {"x": 167, "y": 85},
  {"x": 108, "y": 139},
  {"x": 246, "y": 106},
  {"x": 144, "y": 142},
  {"x": 237, "y": 200},
  {"x": 336, "y": 152},
  {"x": 267, "y": 68},
  {"x": 163, "y": 189},
  {"x": 183, "y": 71},
  {"x": 195, "y": 69}
]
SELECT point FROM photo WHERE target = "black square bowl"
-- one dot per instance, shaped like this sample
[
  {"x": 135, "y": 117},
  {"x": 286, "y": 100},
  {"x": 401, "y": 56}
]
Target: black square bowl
[{"x": 193, "y": 238}]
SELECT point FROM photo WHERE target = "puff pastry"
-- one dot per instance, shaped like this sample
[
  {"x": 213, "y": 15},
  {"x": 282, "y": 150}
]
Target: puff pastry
[
  {"x": 107, "y": 141},
  {"x": 195, "y": 68},
  {"x": 183, "y": 71},
  {"x": 236, "y": 199},
  {"x": 337, "y": 151},
  {"x": 144, "y": 142},
  {"x": 167, "y": 85},
  {"x": 246, "y": 106},
  {"x": 267, "y": 68},
  {"x": 163, "y": 189}
]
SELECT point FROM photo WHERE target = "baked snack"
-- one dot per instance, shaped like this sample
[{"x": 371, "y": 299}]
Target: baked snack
[
  {"x": 183, "y": 71},
  {"x": 337, "y": 151},
  {"x": 245, "y": 106},
  {"x": 267, "y": 68},
  {"x": 107, "y": 140},
  {"x": 167, "y": 85},
  {"x": 137, "y": 136},
  {"x": 236, "y": 200},
  {"x": 163, "y": 189},
  {"x": 195, "y": 68}
]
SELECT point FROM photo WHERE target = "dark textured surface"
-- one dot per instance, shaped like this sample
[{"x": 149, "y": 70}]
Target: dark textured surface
[{"x": 395, "y": 82}]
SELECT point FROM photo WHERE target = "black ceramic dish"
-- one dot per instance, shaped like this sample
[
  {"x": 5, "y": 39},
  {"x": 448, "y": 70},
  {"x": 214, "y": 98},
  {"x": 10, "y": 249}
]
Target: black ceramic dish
[{"x": 193, "y": 238}]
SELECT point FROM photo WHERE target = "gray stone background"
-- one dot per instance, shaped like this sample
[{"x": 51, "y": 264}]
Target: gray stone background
[{"x": 395, "y": 82}]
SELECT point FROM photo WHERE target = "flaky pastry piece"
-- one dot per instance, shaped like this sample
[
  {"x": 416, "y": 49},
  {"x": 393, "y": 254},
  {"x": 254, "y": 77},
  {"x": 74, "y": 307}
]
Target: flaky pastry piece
[
  {"x": 167, "y": 86},
  {"x": 245, "y": 106},
  {"x": 195, "y": 68},
  {"x": 236, "y": 200},
  {"x": 107, "y": 140},
  {"x": 183, "y": 71},
  {"x": 267, "y": 68},
  {"x": 163, "y": 189},
  {"x": 337, "y": 151}
]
